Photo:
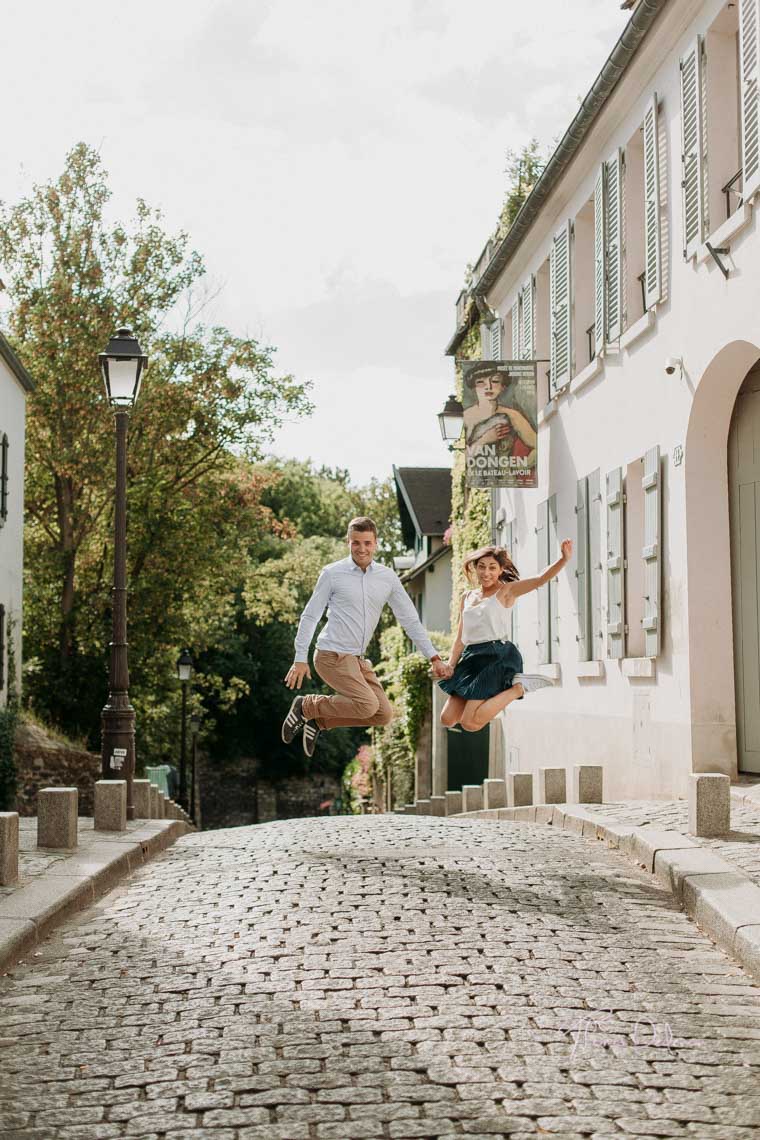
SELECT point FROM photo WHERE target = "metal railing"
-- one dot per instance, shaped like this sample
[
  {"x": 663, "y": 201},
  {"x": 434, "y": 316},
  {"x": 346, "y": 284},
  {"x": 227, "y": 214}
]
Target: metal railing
[{"x": 730, "y": 189}]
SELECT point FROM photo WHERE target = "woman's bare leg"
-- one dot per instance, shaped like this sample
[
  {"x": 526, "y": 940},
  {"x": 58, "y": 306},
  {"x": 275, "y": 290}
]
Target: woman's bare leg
[
  {"x": 477, "y": 714},
  {"x": 451, "y": 713}
]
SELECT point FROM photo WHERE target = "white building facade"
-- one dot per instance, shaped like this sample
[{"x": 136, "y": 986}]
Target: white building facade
[
  {"x": 632, "y": 274},
  {"x": 15, "y": 384}
]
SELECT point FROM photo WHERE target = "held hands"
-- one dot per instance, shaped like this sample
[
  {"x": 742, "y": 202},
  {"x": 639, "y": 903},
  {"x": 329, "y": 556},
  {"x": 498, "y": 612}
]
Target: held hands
[
  {"x": 441, "y": 669},
  {"x": 296, "y": 673},
  {"x": 567, "y": 550}
]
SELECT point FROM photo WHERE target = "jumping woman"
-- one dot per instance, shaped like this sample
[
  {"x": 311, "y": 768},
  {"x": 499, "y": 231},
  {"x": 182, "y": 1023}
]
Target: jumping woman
[{"x": 486, "y": 667}]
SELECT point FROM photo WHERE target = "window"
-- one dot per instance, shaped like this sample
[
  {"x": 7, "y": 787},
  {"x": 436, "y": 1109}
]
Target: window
[
  {"x": 548, "y": 613},
  {"x": 723, "y": 115},
  {"x": 608, "y": 218},
  {"x": 589, "y": 568},
  {"x": 633, "y": 582},
  {"x": 494, "y": 343},
  {"x": 3, "y": 478},
  {"x": 523, "y": 321},
  {"x": 560, "y": 308}
]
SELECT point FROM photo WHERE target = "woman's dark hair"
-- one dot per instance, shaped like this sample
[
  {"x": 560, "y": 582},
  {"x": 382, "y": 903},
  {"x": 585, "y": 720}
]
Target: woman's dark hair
[
  {"x": 509, "y": 572},
  {"x": 485, "y": 368}
]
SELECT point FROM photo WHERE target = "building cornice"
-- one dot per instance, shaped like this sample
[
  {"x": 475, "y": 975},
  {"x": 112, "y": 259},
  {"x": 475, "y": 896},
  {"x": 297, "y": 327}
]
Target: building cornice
[{"x": 14, "y": 364}]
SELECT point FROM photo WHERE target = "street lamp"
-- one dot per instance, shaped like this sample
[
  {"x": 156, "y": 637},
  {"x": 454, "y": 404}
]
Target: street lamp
[
  {"x": 195, "y": 727},
  {"x": 450, "y": 420},
  {"x": 184, "y": 670},
  {"x": 122, "y": 365}
]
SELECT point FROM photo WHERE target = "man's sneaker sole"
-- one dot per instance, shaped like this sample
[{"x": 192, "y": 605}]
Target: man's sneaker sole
[
  {"x": 293, "y": 722},
  {"x": 311, "y": 735}
]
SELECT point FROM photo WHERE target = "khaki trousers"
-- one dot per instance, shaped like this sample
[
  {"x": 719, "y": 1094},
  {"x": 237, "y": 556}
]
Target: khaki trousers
[{"x": 359, "y": 699}]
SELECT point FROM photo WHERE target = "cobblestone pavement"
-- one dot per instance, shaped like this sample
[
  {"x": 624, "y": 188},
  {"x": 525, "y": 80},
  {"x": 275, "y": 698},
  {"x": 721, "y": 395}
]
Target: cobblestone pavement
[
  {"x": 377, "y": 977},
  {"x": 741, "y": 846}
]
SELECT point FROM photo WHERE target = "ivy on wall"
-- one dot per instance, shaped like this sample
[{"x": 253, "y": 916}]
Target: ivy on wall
[
  {"x": 9, "y": 717},
  {"x": 470, "y": 506}
]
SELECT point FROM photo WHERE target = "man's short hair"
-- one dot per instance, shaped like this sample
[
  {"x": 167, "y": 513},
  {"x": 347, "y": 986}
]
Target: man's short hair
[{"x": 361, "y": 523}]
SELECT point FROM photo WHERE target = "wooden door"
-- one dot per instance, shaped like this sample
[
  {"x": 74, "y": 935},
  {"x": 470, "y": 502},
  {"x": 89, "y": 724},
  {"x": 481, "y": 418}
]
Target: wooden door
[{"x": 744, "y": 510}]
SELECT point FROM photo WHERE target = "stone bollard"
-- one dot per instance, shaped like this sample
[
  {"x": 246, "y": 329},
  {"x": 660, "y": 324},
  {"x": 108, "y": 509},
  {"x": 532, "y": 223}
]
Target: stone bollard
[
  {"x": 453, "y": 803},
  {"x": 587, "y": 783},
  {"x": 472, "y": 797},
  {"x": 57, "y": 810},
  {"x": 494, "y": 793},
  {"x": 142, "y": 798},
  {"x": 155, "y": 812},
  {"x": 423, "y": 807},
  {"x": 163, "y": 800},
  {"x": 519, "y": 789},
  {"x": 111, "y": 805},
  {"x": 437, "y": 805},
  {"x": 8, "y": 848},
  {"x": 709, "y": 803},
  {"x": 410, "y": 809},
  {"x": 552, "y": 786}
]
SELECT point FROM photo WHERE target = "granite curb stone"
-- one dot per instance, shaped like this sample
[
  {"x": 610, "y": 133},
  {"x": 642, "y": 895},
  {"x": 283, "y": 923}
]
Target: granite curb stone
[{"x": 30, "y": 912}]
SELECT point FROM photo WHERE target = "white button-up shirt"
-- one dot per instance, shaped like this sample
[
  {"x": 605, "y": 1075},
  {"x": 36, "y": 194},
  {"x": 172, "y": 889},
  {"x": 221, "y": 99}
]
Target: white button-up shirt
[{"x": 354, "y": 599}]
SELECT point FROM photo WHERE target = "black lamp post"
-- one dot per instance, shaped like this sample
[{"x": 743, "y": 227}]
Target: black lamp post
[
  {"x": 184, "y": 671},
  {"x": 450, "y": 420},
  {"x": 122, "y": 364},
  {"x": 195, "y": 726}
]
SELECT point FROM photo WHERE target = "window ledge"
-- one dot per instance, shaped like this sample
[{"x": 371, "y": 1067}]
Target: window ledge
[
  {"x": 589, "y": 669},
  {"x": 547, "y": 412},
  {"x": 552, "y": 672},
  {"x": 592, "y": 369},
  {"x": 638, "y": 667},
  {"x": 732, "y": 226},
  {"x": 638, "y": 328}
]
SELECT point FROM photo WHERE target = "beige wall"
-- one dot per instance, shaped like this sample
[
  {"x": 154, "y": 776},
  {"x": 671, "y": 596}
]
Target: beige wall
[{"x": 12, "y": 423}]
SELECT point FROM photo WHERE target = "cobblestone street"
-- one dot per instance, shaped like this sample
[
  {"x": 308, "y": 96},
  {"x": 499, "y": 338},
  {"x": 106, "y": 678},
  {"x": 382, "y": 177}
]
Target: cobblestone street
[{"x": 381, "y": 977}]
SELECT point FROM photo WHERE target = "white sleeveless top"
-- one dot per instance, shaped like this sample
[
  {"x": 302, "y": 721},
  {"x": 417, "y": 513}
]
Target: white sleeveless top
[{"x": 485, "y": 619}]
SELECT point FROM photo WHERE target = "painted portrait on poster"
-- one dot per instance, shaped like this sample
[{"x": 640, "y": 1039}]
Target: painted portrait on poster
[{"x": 500, "y": 404}]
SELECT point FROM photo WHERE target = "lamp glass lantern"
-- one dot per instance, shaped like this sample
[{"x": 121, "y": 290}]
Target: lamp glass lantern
[
  {"x": 122, "y": 364},
  {"x": 450, "y": 419},
  {"x": 184, "y": 665}
]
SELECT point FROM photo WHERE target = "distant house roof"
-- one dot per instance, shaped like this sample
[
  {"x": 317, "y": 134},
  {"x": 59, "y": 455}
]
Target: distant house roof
[
  {"x": 424, "y": 500},
  {"x": 415, "y": 571},
  {"x": 9, "y": 356}
]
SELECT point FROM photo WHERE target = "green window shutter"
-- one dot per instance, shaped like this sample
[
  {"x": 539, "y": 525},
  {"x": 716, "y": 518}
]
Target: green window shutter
[
  {"x": 595, "y": 568},
  {"x": 599, "y": 260},
  {"x": 528, "y": 293},
  {"x": 559, "y": 291},
  {"x": 692, "y": 148},
  {"x": 615, "y": 565},
  {"x": 651, "y": 552},
  {"x": 582, "y": 570},
  {"x": 495, "y": 339},
  {"x": 542, "y": 532},
  {"x": 509, "y": 540},
  {"x": 485, "y": 341},
  {"x": 3, "y": 478},
  {"x": 516, "y": 329},
  {"x": 551, "y": 555},
  {"x": 613, "y": 233},
  {"x": 652, "y": 254},
  {"x": 749, "y": 53}
]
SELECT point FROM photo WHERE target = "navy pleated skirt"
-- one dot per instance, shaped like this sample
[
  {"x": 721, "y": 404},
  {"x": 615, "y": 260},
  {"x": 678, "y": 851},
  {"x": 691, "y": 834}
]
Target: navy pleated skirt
[{"x": 483, "y": 670}]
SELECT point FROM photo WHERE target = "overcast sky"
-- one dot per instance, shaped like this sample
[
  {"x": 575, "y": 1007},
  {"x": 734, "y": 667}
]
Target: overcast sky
[{"x": 337, "y": 163}]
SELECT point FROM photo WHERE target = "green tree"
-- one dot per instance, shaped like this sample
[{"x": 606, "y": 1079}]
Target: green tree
[
  {"x": 524, "y": 168},
  {"x": 209, "y": 400}
]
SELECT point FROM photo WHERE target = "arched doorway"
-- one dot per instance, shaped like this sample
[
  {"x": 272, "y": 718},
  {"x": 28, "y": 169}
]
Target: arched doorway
[
  {"x": 710, "y": 640},
  {"x": 744, "y": 522}
]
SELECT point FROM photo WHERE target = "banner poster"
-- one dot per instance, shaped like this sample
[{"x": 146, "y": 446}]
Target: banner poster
[{"x": 500, "y": 404}]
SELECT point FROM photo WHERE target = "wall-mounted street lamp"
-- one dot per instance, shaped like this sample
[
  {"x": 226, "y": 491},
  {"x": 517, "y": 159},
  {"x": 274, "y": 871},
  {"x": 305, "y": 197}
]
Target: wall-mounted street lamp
[
  {"x": 450, "y": 421},
  {"x": 184, "y": 672},
  {"x": 122, "y": 365}
]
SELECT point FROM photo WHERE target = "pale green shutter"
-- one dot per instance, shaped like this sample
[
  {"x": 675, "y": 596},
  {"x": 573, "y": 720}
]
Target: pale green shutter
[
  {"x": 551, "y": 555},
  {"x": 613, "y": 233},
  {"x": 495, "y": 339},
  {"x": 527, "y": 351},
  {"x": 542, "y": 531},
  {"x": 559, "y": 290},
  {"x": 595, "y": 567},
  {"x": 749, "y": 52},
  {"x": 651, "y": 552},
  {"x": 692, "y": 146},
  {"x": 581, "y": 571},
  {"x": 485, "y": 340},
  {"x": 509, "y": 532},
  {"x": 652, "y": 256},
  {"x": 516, "y": 329},
  {"x": 599, "y": 260},
  {"x": 615, "y": 565}
]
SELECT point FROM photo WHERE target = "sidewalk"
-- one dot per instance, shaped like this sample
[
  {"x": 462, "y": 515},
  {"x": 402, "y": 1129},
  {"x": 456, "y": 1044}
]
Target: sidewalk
[{"x": 53, "y": 884}]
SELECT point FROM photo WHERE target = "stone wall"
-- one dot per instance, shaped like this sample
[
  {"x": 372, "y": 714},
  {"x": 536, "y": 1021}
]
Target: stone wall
[
  {"x": 43, "y": 762},
  {"x": 233, "y": 796}
]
